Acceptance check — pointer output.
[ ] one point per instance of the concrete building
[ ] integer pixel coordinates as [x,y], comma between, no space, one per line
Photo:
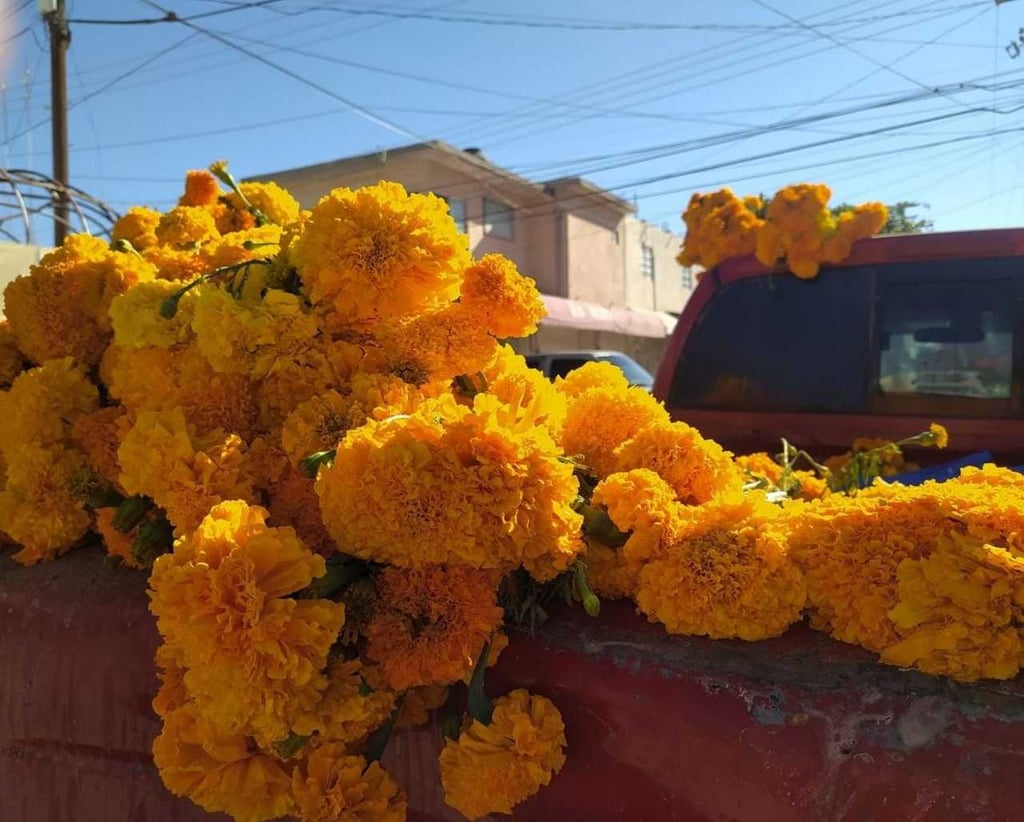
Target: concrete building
[609,279]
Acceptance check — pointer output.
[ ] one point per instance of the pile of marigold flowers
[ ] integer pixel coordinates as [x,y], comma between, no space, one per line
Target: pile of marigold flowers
[303,426]
[795,229]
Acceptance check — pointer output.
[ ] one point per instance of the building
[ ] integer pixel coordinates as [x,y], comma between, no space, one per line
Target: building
[609,279]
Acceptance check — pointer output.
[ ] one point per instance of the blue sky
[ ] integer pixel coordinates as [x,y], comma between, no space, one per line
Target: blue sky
[881,99]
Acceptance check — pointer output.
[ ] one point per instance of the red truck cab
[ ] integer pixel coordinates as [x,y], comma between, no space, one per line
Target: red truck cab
[910,329]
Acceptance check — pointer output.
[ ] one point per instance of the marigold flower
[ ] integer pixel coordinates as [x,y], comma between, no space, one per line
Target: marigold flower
[431,623]
[138,323]
[438,345]
[255,243]
[292,501]
[117,543]
[330,786]
[530,394]
[592,374]
[137,227]
[380,252]
[719,226]
[172,693]
[608,572]
[726,575]
[162,457]
[638,500]
[958,611]
[348,711]
[201,189]
[417,703]
[12,361]
[491,768]
[176,265]
[255,656]
[61,307]
[698,469]
[42,405]
[450,484]
[186,228]
[97,435]
[41,506]
[503,301]
[939,434]
[220,771]
[318,424]
[276,204]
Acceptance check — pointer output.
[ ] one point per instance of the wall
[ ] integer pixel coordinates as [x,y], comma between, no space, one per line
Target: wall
[594,261]
[666,291]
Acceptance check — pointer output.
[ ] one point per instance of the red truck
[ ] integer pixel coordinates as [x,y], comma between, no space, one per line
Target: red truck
[909,330]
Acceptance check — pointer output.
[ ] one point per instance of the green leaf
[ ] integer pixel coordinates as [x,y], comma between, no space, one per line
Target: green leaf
[291,745]
[480,707]
[310,466]
[131,512]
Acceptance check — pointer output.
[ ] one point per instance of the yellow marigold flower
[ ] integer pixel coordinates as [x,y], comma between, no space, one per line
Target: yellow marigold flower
[718,226]
[117,543]
[176,265]
[61,307]
[381,252]
[491,768]
[450,484]
[12,361]
[159,379]
[760,466]
[186,228]
[330,786]
[98,436]
[958,611]
[137,227]
[42,405]
[221,772]
[504,302]
[231,250]
[698,469]
[437,346]
[162,457]
[349,711]
[249,338]
[592,375]
[526,389]
[991,474]
[638,500]
[386,395]
[255,655]
[600,420]
[431,623]
[136,318]
[319,423]
[727,574]
[608,572]
[939,434]
[41,507]
[274,202]
[201,189]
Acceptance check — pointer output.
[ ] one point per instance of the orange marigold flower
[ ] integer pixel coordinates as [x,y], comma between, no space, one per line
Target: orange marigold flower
[12,361]
[419,702]
[137,227]
[186,228]
[726,574]
[330,786]
[939,435]
[452,484]
[162,457]
[592,375]
[760,466]
[98,436]
[718,226]
[601,419]
[61,307]
[255,655]
[491,768]
[638,500]
[957,611]
[201,189]
[292,501]
[608,572]
[526,390]
[221,772]
[274,202]
[431,623]
[138,323]
[172,693]
[176,265]
[41,505]
[380,252]
[503,301]
[319,423]
[349,710]
[698,469]
[238,246]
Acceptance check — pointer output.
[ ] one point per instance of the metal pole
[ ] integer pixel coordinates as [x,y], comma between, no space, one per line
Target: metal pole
[60,37]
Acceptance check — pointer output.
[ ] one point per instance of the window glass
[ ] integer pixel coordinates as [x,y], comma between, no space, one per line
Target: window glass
[498,220]
[947,339]
[457,208]
[779,343]
[687,278]
[647,261]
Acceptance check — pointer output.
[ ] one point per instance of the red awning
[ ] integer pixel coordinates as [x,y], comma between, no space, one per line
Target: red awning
[632,322]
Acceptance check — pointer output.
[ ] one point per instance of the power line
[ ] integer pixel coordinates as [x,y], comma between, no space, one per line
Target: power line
[172,17]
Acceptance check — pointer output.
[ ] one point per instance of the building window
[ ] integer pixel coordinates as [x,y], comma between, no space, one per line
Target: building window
[457,208]
[687,278]
[647,261]
[498,220]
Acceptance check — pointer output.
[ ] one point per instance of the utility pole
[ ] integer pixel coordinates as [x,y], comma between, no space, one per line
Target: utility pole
[53,12]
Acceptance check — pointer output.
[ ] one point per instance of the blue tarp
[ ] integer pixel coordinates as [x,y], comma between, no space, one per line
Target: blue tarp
[943,472]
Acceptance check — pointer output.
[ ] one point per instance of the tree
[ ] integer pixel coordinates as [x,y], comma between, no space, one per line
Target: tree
[902,219]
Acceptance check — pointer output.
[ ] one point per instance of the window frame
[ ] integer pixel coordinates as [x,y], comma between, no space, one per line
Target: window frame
[489,225]
[942,406]
[647,254]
